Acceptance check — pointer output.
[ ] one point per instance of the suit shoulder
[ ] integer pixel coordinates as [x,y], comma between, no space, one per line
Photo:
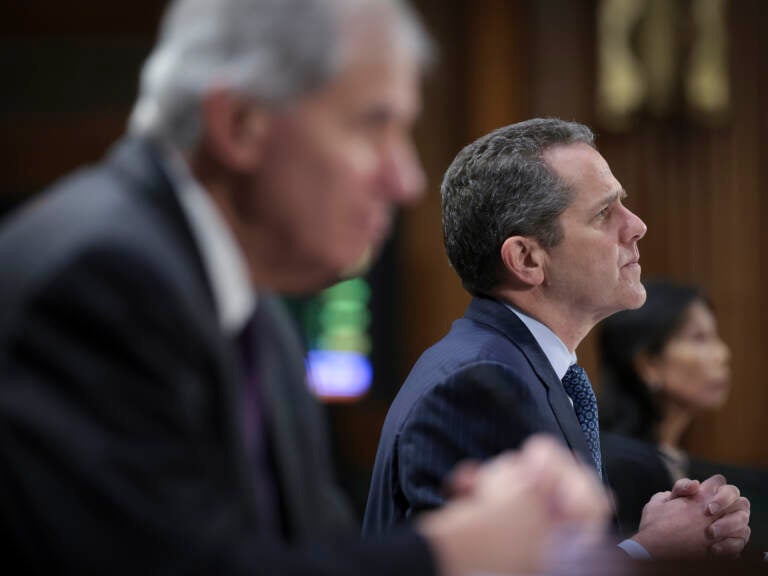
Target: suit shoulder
[91,202]
[468,344]
[88,216]
[480,381]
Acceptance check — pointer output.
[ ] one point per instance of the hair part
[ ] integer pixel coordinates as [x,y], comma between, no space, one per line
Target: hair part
[272,51]
[500,186]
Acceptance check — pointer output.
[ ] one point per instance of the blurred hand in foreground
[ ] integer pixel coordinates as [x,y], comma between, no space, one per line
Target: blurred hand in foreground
[508,514]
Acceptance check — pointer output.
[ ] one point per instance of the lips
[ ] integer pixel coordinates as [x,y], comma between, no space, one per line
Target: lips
[380,225]
[635,260]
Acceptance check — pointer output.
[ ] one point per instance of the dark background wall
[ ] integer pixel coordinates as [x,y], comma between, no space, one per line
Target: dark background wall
[70,74]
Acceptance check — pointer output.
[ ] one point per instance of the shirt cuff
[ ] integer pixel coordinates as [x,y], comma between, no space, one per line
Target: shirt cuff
[634,550]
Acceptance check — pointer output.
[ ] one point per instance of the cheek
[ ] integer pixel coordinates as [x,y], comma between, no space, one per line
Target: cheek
[599,260]
[345,178]
[329,194]
[693,379]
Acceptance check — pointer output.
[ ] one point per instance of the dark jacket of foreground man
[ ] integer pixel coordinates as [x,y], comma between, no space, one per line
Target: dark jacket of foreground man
[121,449]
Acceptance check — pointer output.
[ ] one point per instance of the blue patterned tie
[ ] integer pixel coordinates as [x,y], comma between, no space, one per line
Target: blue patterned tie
[577,386]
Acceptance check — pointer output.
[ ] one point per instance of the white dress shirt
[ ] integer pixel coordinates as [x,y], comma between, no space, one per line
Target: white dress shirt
[223,260]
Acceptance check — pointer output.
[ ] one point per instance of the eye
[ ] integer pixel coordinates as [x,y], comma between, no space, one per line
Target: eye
[376,118]
[702,336]
[604,213]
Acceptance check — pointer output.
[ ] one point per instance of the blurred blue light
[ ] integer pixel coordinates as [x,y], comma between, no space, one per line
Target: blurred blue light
[338,374]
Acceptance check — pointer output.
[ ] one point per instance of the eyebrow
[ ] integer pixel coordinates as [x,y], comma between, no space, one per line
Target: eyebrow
[609,199]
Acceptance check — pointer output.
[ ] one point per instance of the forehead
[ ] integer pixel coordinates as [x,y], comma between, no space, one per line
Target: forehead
[699,314]
[583,169]
[375,71]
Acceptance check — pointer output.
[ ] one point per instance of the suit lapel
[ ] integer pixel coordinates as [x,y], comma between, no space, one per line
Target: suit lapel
[137,167]
[500,318]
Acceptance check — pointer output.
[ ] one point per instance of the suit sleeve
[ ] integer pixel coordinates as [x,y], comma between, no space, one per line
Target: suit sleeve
[113,456]
[474,414]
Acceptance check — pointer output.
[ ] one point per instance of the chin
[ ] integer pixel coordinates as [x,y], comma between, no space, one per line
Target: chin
[310,280]
[637,297]
[361,264]
[334,274]
[721,399]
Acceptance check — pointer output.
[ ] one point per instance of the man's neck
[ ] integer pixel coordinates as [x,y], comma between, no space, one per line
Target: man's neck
[555,315]
[223,262]
[262,243]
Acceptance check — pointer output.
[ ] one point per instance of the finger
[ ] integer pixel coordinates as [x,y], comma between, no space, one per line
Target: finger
[730,547]
[543,451]
[729,525]
[685,487]
[462,480]
[723,498]
[660,497]
[712,484]
[547,462]
[581,498]
[542,442]
[571,488]
[502,461]
[500,468]
[741,503]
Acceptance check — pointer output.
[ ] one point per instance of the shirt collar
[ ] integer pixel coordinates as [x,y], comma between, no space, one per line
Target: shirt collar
[223,261]
[556,352]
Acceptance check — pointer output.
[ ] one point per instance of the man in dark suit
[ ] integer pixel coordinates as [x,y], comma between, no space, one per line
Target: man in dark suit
[153,413]
[534,224]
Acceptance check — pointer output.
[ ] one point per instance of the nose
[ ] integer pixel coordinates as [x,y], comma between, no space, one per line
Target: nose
[724,351]
[635,228]
[403,176]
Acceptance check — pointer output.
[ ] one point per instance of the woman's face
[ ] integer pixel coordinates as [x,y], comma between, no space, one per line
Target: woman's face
[694,366]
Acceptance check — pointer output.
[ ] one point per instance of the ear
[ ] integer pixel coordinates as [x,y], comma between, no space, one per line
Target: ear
[524,259]
[234,129]
[648,368]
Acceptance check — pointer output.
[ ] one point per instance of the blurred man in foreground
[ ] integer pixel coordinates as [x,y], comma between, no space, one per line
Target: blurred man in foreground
[534,224]
[153,414]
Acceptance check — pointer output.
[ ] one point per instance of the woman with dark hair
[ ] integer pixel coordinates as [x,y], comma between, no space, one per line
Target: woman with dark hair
[662,364]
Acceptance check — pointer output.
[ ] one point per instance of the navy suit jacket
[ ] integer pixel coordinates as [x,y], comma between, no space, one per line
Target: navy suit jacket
[482,389]
[121,449]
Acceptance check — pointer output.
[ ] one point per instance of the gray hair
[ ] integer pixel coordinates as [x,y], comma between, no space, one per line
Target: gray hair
[270,50]
[500,186]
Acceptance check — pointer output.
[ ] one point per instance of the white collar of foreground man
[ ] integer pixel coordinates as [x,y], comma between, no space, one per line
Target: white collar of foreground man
[223,260]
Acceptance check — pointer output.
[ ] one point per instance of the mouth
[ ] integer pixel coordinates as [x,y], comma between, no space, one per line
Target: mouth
[635,261]
[723,380]
[381,227]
